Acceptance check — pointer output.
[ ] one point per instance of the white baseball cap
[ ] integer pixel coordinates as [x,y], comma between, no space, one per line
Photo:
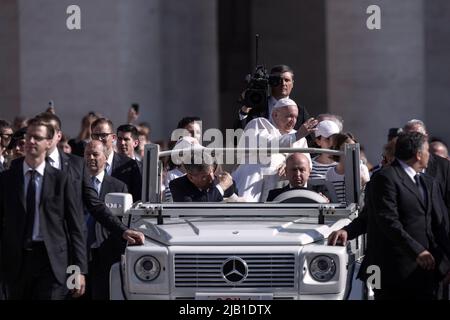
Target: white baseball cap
[326,128]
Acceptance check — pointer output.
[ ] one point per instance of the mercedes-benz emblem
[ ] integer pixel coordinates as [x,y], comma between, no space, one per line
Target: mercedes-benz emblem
[234,270]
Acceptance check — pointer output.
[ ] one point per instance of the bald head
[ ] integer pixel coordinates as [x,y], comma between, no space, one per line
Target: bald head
[298,169]
[439,149]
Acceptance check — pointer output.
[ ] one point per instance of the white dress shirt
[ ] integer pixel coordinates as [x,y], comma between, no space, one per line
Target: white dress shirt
[54,159]
[412,173]
[409,170]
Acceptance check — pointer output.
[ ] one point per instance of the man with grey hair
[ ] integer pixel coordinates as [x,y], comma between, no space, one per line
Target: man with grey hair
[416,126]
[406,228]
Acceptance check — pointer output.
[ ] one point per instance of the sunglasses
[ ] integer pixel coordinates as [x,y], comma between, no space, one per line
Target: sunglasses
[35,137]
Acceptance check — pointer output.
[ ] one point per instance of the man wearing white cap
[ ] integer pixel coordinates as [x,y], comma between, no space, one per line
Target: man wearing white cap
[252,178]
[321,163]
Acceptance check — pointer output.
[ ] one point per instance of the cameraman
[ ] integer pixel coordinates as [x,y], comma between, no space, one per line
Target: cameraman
[285,81]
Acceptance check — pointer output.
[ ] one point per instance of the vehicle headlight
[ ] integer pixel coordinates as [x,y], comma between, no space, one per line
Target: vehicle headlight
[147,268]
[322,268]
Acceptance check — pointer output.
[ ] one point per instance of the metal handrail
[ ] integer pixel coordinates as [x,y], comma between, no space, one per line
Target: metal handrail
[252,150]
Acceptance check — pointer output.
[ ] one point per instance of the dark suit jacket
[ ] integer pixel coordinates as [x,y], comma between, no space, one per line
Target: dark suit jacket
[61,222]
[401,225]
[276,192]
[439,168]
[77,147]
[184,190]
[87,195]
[359,225]
[113,246]
[303,115]
[127,170]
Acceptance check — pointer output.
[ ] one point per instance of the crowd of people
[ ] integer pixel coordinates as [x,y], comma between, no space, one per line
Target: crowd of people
[52,189]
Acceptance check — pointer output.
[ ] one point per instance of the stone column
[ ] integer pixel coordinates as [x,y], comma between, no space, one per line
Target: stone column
[293,33]
[437,62]
[160,54]
[376,78]
[9,60]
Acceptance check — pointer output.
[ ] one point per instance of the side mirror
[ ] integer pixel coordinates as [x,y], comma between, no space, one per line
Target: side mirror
[119,203]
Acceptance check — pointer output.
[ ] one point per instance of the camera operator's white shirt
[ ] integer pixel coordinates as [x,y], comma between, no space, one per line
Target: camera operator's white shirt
[253,179]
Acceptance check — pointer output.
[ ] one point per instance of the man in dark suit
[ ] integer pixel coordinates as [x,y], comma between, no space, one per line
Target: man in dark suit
[298,169]
[118,165]
[198,185]
[408,240]
[438,167]
[105,248]
[41,226]
[85,194]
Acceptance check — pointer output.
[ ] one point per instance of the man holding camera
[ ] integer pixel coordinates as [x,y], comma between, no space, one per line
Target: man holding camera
[281,81]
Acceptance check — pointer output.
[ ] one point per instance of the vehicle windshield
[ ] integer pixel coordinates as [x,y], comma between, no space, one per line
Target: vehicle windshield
[204,177]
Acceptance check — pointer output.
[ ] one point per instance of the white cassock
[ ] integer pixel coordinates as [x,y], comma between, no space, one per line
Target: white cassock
[253,179]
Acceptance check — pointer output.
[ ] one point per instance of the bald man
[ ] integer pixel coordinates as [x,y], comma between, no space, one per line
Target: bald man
[439,149]
[105,249]
[298,169]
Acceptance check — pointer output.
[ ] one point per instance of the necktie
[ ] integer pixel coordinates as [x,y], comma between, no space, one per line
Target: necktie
[95,184]
[420,186]
[31,207]
[107,168]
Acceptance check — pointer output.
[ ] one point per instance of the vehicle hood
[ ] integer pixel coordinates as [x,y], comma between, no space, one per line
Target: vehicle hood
[238,231]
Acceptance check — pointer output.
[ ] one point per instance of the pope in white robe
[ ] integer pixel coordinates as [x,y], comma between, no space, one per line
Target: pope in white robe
[255,179]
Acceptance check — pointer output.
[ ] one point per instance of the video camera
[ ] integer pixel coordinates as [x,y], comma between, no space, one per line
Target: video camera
[258,86]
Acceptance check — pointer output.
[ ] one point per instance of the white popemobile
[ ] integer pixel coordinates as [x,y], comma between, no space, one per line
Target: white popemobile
[238,251]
